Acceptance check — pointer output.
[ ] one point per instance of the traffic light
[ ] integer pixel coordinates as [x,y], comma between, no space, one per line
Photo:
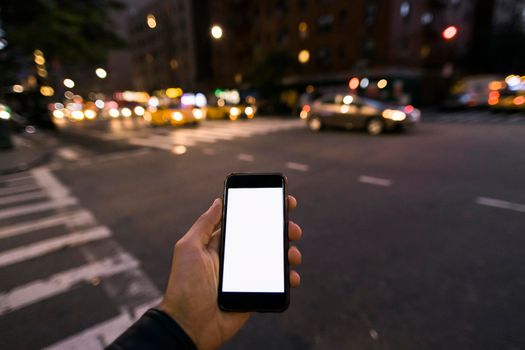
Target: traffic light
[450,32]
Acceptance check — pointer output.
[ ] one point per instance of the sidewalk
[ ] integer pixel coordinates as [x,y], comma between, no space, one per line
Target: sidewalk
[30,150]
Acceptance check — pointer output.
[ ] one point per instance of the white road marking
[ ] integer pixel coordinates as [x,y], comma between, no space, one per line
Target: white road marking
[78,218]
[18,189]
[515,119]
[297,166]
[49,183]
[122,155]
[68,154]
[12,178]
[498,203]
[101,335]
[48,246]
[34,208]
[59,283]
[245,157]
[22,197]
[150,143]
[205,133]
[374,181]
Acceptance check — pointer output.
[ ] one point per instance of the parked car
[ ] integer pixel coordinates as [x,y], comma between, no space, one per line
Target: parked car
[354,112]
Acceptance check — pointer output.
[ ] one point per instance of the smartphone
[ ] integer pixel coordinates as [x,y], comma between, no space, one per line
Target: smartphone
[253,273]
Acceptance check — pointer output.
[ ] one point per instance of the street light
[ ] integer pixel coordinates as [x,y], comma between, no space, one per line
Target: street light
[216,32]
[303,56]
[69,83]
[101,73]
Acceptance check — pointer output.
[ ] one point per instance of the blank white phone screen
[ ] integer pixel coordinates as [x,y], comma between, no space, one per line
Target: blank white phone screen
[254,243]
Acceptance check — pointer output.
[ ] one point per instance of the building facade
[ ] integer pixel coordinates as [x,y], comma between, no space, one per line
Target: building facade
[170,45]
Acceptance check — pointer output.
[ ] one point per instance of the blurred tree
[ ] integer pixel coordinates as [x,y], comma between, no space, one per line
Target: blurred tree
[69,31]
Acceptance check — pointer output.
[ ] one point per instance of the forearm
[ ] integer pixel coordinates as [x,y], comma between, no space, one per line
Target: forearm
[154,330]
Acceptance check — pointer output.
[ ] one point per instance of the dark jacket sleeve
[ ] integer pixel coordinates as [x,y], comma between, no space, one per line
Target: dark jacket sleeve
[154,330]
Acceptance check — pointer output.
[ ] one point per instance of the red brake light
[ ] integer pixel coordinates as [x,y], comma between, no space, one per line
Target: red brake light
[306,108]
[409,109]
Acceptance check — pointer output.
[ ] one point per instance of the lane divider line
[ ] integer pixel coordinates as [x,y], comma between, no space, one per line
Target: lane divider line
[498,203]
[245,157]
[297,166]
[374,181]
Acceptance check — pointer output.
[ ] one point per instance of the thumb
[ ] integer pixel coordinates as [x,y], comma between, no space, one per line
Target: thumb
[203,228]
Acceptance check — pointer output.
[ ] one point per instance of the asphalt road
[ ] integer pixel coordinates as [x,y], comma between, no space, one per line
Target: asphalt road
[411,241]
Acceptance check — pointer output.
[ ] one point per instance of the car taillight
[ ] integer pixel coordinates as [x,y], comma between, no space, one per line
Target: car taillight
[306,108]
[409,109]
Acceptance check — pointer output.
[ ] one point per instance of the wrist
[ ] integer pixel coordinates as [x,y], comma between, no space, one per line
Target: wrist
[178,319]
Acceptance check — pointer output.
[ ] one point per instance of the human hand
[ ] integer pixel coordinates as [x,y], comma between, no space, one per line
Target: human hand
[191,295]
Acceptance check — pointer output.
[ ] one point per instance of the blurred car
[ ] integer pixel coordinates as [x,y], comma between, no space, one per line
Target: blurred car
[353,112]
[232,112]
[222,107]
[508,95]
[174,114]
[470,92]
[508,101]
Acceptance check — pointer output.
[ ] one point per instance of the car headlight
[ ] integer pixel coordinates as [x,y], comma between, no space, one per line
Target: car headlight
[394,114]
[197,113]
[77,115]
[126,112]
[177,116]
[234,111]
[90,114]
[57,113]
[248,110]
[5,115]
[139,110]
[114,113]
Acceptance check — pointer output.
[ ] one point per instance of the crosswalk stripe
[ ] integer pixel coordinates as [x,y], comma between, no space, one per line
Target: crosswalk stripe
[96,337]
[34,208]
[68,154]
[48,246]
[15,179]
[78,217]
[150,143]
[18,189]
[207,132]
[101,335]
[50,183]
[16,176]
[22,197]
[59,283]
[192,136]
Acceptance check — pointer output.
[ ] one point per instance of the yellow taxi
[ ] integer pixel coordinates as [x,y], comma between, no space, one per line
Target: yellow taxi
[225,104]
[175,112]
[508,94]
